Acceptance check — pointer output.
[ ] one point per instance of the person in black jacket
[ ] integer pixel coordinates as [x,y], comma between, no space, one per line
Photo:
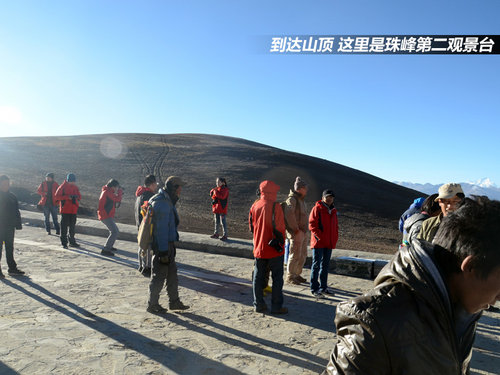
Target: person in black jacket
[10,220]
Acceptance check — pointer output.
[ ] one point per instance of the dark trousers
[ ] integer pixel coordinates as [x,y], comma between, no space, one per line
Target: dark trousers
[7,237]
[162,274]
[320,265]
[259,275]
[68,221]
[49,211]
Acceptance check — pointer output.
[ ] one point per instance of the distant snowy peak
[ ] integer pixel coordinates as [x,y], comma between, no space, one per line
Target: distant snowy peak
[481,187]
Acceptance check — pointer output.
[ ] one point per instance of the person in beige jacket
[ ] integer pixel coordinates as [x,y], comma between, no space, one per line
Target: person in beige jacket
[297,221]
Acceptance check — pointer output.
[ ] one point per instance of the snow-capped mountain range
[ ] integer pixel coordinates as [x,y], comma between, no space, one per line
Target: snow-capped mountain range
[481,187]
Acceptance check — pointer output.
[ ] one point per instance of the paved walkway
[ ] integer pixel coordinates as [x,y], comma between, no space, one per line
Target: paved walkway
[78,312]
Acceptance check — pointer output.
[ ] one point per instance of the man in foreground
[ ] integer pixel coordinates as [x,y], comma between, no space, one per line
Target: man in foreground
[421,316]
[164,269]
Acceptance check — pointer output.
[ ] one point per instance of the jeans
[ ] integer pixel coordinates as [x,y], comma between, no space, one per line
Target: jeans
[320,264]
[50,211]
[258,284]
[113,232]
[220,219]
[68,221]
[161,273]
[7,237]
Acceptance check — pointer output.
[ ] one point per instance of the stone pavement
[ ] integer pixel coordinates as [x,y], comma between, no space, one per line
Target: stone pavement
[77,312]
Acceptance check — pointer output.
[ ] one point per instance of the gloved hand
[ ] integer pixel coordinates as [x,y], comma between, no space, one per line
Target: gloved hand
[167,256]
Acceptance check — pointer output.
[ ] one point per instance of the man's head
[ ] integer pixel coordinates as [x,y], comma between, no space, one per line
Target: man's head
[174,184]
[150,182]
[450,197]
[300,186]
[71,178]
[328,197]
[4,183]
[471,236]
[221,181]
[113,184]
[49,177]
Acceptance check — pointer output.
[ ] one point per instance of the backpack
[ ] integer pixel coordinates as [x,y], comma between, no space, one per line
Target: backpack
[145,234]
[284,206]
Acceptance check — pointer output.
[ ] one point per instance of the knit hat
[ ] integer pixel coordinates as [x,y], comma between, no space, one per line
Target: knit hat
[71,177]
[299,183]
[50,175]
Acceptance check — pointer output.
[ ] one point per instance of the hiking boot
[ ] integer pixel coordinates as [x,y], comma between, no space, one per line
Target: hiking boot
[156,309]
[58,233]
[327,292]
[215,235]
[74,244]
[223,238]
[2,276]
[283,310]
[301,279]
[292,281]
[317,294]
[64,246]
[48,233]
[178,305]
[16,272]
[260,309]
[107,252]
[146,272]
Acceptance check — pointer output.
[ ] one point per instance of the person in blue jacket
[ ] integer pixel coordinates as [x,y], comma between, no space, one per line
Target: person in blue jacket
[413,209]
[165,221]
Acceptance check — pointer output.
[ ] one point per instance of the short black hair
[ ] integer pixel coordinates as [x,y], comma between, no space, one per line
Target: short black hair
[113,183]
[430,205]
[150,179]
[473,230]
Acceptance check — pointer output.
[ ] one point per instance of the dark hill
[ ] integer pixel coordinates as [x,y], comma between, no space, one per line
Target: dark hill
[369,206]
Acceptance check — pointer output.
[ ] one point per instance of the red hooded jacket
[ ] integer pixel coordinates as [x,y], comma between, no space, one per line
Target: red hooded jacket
[220,195]
[260,221]
[324,226]
[107,202]
[69,198]
[43,190]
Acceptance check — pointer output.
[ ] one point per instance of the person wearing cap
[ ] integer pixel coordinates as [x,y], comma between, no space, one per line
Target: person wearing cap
[144,194]
[69,198]
[47,191]
[296,220]
[111,197]
[450,197]
[324,228]
[165,221]
[10,220]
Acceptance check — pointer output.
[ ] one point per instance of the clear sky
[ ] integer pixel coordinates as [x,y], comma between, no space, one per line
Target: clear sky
[100,66]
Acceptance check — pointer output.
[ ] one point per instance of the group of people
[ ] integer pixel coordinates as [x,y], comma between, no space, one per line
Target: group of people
[421,315]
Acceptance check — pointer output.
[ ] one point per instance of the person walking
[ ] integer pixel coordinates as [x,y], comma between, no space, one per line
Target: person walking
[165,221]
[111,196]
[69,198]
[219,197]
[47,191]
[296,218]
[10,220]
[324,227]
[266,222]
[144,194]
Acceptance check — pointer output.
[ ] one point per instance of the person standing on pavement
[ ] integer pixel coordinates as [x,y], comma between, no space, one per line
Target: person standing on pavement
[296,218]
[266,221]
[111,196]
[324,227]
[69,198]
[219,197]
[47,191]
[144,194]
[165,221]
[10,220]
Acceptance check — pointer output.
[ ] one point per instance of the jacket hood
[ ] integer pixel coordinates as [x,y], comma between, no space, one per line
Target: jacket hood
[413,219]
[268,190]
[417,203]
[141,190]
[414,266]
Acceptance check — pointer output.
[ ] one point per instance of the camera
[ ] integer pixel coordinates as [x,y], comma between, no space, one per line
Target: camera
[275,243]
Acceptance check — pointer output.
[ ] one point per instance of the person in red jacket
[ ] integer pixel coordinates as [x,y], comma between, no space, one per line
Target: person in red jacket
[47,191]
[267,223]
[324,228]
[69,198]
[219,197]
[111,196]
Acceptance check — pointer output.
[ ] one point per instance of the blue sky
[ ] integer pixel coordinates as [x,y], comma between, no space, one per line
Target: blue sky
[85,67]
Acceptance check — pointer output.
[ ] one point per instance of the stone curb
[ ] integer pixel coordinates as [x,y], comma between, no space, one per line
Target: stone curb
[344,262]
